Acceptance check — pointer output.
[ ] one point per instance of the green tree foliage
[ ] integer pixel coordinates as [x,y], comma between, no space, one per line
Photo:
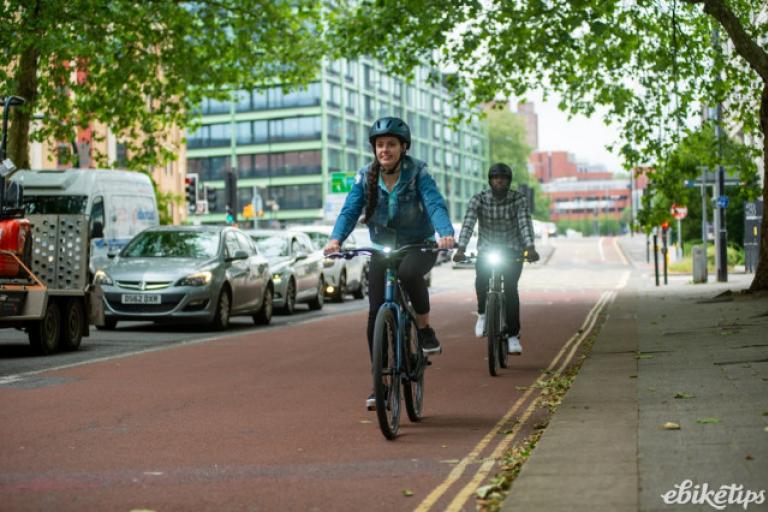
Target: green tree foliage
[650,64]
[143,67]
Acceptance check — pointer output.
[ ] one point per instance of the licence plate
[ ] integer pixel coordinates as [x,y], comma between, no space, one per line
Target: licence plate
[140,298]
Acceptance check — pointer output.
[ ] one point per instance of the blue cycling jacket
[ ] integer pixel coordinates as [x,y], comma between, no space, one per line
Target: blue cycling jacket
[410,214]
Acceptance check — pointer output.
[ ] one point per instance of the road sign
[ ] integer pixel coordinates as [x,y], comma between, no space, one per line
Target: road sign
[341,182]
[679,212]
[722,202]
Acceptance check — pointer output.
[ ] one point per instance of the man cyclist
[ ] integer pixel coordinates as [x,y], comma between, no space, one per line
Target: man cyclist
[402,206]
[504,225]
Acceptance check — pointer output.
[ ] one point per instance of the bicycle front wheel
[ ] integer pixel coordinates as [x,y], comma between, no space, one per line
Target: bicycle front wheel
[492,327]
[502,343]
[386,374]
[413,382]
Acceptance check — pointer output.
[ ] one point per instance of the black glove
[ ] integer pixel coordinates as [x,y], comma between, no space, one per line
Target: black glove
[459,256]
[531,254]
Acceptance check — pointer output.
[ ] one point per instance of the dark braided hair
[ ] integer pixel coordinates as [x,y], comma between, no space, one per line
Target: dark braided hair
[373,189]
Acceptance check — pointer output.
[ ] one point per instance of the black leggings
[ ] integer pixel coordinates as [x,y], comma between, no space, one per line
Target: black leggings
[411,272]
[511,268]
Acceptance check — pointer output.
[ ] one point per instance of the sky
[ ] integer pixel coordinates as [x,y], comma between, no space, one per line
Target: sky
[584,137]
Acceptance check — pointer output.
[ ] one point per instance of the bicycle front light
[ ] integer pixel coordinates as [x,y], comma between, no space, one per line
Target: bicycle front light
[386,250]
[494,258]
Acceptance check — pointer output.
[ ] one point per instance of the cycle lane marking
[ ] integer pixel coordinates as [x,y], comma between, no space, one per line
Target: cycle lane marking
[458,471]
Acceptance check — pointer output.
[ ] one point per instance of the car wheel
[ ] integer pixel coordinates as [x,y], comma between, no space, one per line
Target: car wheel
[264,316]
[317,302]
[341,290]
[223,307]
[290,298]
[44,334]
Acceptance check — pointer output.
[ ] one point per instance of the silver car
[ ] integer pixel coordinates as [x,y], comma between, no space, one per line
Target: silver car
[182,273]
[342,276]
[296,267]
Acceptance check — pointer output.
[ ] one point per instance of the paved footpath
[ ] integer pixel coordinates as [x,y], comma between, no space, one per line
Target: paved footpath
[691,355]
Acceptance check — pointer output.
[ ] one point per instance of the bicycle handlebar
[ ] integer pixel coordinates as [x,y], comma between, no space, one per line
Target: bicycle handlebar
[370,251]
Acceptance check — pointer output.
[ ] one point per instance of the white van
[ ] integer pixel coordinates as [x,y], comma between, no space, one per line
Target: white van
[119,204]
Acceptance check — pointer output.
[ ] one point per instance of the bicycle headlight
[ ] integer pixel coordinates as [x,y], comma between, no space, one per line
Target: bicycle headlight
[101,277]
[196,279]
[494,258]
[386,250]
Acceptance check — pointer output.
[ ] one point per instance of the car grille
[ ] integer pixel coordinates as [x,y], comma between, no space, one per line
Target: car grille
[146,285]
[169,301]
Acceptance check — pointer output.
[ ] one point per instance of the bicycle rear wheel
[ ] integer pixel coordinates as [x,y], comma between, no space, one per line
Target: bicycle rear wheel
[413,382]
[386,375]
[492,331]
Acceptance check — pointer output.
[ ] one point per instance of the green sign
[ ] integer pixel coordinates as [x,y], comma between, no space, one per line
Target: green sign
[341,182]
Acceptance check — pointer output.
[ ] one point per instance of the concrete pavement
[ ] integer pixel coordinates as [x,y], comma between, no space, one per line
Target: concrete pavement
[677,355]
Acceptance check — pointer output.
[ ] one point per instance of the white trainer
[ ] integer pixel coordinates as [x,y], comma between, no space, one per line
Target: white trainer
[513,346]
[480,326]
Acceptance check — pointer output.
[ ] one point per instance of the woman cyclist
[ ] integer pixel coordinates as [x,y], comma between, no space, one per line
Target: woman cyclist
[402,206]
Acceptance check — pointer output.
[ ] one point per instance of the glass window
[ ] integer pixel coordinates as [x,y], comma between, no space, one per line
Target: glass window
[174,244]
[351,102]
[214,106]
[436,104]
[436,130]
[244,135]
[368,108]
[369,76]
[259,99]
[296,197]
[245,166]
[350,70]
[334,159]
[242,100]
[221,135]
[333,94]
[351,133]
[294,128]
[334,67]
[334,128]
[351,162]
[397,88]
[260,131]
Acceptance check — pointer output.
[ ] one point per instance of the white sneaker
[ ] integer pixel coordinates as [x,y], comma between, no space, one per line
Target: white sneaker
[480,326]
[513,346]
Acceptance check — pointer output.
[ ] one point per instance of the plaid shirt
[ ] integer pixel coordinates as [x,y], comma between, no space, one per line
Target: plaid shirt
[503,222]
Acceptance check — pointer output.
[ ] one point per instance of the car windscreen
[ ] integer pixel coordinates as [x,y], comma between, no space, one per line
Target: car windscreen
[173,244]
[272,246]
[55,204]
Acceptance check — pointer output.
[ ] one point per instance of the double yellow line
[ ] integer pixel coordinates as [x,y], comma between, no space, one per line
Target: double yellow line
[571,346]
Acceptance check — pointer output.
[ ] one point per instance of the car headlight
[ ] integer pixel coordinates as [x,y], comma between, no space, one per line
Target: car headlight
[197,279]
[276,278]
[494,258]
[101,277]
[328,262]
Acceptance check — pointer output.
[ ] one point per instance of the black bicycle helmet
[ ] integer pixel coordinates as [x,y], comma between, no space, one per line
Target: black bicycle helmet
[500,170]
[393,126]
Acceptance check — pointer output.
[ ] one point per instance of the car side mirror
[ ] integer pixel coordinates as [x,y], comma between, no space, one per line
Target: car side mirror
[97,230]
[301,256]
[239,255]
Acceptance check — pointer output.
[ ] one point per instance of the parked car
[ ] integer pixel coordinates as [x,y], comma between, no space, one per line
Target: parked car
[342,276]
[182,273]
[296,267]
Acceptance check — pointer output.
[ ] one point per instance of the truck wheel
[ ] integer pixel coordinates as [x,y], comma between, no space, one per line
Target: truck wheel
[72,328]
[44,334]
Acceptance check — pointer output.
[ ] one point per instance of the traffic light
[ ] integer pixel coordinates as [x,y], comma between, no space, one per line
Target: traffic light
[211,196]
[191,192]
[230,218]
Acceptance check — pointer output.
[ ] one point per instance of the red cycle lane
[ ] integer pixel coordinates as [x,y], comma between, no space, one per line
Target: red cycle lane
[270,420]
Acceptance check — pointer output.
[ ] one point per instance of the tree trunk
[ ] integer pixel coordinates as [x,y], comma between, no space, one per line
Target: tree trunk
[760,282]
[18,133]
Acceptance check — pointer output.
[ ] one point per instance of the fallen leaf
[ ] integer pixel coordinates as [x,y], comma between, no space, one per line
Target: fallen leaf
[684,395]
[707,421]
[633,376]
[484,491]
[407,492]
[749,457]
[671,425]
[365,421]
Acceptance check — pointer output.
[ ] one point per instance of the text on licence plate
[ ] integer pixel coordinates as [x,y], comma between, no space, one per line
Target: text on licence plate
[140,298]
